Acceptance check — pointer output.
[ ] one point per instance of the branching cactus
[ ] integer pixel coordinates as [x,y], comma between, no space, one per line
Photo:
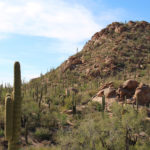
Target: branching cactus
[13,112]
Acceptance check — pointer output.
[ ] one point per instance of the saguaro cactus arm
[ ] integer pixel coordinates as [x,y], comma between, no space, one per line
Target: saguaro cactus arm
[8,117]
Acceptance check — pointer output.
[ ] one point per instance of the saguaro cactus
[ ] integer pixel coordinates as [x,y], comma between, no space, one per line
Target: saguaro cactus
[13,112]
[73,104]
[103,102]
[137,104]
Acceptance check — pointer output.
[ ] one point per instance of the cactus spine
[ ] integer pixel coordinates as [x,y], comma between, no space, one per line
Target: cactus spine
[13,112]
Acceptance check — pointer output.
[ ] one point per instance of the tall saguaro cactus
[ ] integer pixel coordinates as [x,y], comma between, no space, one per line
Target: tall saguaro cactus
[13,112]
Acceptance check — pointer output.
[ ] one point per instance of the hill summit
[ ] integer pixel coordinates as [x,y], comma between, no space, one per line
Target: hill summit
[115,48]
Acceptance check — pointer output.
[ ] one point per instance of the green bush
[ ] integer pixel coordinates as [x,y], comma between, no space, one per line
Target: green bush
[68,102]
[102,132]
[42,134]
[96,106]
[43,148]
[1,132]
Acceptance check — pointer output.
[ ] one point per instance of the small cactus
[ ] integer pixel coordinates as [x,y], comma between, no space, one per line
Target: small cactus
[137,104]
[8,117]
[103,102]
[13,112]
[73,104]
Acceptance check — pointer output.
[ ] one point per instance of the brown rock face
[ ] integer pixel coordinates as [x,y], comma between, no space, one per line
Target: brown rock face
[127,89]
[142,93]
[129,92]
[131,23]
[110,84]
[72,62]
[121,92]
[120,29]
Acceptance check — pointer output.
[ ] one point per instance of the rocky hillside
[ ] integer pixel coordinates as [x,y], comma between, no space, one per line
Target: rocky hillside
[118,52]
[118,47]
[62,107]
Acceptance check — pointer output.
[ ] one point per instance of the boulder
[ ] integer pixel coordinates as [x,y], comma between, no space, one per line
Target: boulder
[131,23]
[103,88]
[87,72]
[107,85]
[95,36]
[129,101]
[71,63]
[121,92]
[108,92]
[109,61]
[142,93]
[127,90]
[130,84]
[97,99]
[100,93]
[120,29]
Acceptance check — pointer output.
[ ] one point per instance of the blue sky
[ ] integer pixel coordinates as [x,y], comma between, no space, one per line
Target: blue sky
[41,34]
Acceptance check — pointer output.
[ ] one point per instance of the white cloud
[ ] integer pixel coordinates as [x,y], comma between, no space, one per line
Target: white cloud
[53,18]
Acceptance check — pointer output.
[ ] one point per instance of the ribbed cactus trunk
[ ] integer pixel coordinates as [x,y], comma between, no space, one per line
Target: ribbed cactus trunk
[103,102]
[13,112]
[73,104]
[8,117]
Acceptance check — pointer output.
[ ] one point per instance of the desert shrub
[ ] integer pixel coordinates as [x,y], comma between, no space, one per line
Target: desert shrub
[85,98]
[56,101]
[87,56]
[49,120]
[43,148]
[30,112]
[102,132]
[1,132]
[96,106]
[68,102]
[42,134]
[91,93]
[62,118]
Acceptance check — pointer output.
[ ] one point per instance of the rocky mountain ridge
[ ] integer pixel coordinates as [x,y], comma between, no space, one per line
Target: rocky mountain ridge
[116,48]
[119,52]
